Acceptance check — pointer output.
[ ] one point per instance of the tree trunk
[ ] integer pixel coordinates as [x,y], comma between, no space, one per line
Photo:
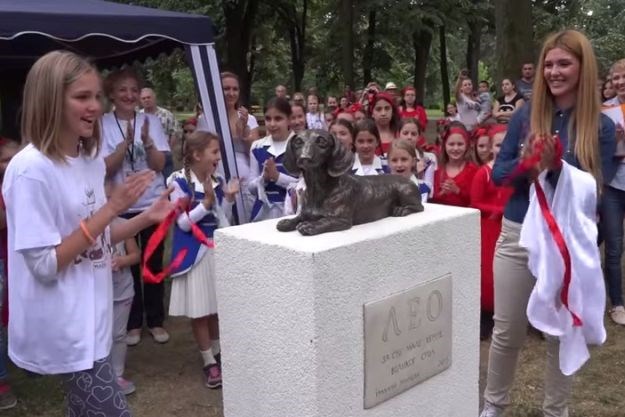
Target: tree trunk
[444,71]
[515,44]
[297,34]
[421,41]
[251,68]
[346,23]
[473,50]
[367,56]
[239,16]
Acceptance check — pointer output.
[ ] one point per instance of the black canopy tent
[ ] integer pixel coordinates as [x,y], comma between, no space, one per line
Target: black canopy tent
[111,34]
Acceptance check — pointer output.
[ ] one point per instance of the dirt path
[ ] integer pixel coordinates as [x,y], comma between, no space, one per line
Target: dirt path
[168,379]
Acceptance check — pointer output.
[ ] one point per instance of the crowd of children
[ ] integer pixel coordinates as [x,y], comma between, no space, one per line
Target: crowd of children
[74,254]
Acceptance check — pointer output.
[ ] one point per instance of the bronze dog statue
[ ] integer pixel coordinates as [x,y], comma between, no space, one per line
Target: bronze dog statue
[335,199]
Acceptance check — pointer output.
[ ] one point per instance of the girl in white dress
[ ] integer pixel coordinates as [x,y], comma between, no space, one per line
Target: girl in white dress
[210,203]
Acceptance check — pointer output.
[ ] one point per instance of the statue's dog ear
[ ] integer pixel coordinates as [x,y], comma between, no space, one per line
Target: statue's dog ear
[341,160]
[290,156]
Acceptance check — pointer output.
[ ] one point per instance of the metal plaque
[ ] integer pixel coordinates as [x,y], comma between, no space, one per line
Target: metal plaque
[407,339]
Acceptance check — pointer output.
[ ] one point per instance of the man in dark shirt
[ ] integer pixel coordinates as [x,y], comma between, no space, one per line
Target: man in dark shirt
[524,85]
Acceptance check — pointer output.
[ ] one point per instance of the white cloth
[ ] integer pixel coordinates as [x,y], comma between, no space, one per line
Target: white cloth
[416,181]
[193,294]
[430,170]
[468,111]
[62,325]
[315,121]
[574,205]
[112,136]
[202,123]
[298,189]
[374,169]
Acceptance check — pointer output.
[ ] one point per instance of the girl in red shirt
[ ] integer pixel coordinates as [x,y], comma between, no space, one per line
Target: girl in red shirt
[490,200]
[452,180]
[410,109]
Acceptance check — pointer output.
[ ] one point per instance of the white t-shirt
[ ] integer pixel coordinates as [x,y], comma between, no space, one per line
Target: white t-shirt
[136,158]
[63,324]
[315,121]
[202,123]
[468,111]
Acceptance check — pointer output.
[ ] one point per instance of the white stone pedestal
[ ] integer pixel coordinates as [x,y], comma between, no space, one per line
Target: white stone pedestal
[292,320]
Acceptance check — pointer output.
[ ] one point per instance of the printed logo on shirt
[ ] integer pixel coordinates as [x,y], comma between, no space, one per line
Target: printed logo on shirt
[96,253]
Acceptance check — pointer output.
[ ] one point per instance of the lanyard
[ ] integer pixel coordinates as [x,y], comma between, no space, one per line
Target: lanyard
[131,147]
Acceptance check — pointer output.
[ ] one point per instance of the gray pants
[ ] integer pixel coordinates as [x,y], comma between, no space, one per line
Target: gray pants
[121,311]
[94,392]
[513,286]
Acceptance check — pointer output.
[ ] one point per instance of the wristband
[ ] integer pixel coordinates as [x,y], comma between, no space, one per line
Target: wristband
[85,231]
[148,146]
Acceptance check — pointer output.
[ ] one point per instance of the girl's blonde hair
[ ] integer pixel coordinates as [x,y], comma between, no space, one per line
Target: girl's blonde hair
[584,125]
[195,142]
[404,145]
[44,103]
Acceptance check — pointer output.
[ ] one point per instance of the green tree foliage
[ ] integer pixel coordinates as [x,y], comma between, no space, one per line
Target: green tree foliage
[328,44]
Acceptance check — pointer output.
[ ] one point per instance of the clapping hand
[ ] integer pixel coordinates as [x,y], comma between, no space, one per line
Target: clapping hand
[130,134]
[126,194]
[450,187]
[242,120]
[232,189]
[270,171]
[161,207]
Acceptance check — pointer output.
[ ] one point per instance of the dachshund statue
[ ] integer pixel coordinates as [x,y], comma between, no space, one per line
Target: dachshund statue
[335,199]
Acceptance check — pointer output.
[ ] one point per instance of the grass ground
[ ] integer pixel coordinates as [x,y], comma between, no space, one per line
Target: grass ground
[169,382]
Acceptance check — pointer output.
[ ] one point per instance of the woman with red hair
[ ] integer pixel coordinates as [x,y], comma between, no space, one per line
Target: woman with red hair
[452,180]
[409,108]
[490,200]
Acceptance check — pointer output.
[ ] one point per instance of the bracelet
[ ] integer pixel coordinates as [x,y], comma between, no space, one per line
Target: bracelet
[148,146]
[85,231]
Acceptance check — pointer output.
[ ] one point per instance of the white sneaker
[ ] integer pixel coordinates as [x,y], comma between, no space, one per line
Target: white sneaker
[491,410]
[159,334]
[617,314]
[133,337]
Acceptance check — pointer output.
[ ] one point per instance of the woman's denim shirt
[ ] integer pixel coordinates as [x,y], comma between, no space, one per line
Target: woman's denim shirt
[509,156]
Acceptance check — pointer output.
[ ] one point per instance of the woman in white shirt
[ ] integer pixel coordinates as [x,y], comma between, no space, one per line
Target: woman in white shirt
[60,235]
[244,131]
[468,108]
[132,142]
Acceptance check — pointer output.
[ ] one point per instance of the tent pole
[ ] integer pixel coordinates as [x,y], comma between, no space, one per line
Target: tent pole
[208,84]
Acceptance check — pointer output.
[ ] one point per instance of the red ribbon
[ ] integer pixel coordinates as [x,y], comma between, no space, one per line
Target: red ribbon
[531,161]
[159,236]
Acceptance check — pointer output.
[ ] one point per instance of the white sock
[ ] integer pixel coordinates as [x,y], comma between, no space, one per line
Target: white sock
[207,357]
[216,347]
